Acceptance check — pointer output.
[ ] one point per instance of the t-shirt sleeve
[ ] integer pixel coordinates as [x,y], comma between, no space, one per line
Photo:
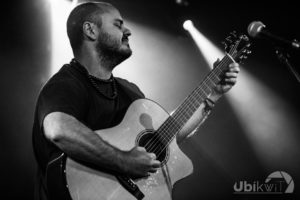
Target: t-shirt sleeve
[65,96]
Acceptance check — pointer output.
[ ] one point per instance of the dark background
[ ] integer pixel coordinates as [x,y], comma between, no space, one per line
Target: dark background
[25,54]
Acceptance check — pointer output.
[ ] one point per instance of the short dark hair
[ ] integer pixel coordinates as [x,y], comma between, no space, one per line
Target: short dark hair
[81,13]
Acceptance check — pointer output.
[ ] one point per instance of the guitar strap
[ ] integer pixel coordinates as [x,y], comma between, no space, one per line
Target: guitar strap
[131,187]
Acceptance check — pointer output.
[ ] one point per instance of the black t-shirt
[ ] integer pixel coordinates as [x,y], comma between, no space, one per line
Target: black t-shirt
[73,92]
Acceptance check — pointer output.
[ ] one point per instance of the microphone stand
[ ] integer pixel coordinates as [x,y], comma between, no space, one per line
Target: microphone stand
[283,57]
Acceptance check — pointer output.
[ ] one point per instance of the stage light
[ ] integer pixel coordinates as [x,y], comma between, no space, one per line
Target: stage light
[182,2]
[263,114]
[206,47]
[188,24]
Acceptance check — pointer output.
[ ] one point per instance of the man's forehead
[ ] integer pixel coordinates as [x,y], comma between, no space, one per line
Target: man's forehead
[113,14]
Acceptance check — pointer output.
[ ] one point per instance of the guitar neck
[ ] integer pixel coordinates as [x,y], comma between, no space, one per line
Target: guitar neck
[237,49]
[193,101]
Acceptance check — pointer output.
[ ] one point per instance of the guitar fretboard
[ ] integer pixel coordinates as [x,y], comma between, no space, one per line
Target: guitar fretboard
[175,122]
[192,102]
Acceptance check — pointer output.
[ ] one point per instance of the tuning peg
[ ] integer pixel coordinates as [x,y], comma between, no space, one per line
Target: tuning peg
[228,37]
[228,40]
[244,37]
[234,34]
[224,43]
[241,58]
[246,51]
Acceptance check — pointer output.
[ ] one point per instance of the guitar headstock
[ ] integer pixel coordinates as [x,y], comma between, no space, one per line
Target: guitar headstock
[237,46]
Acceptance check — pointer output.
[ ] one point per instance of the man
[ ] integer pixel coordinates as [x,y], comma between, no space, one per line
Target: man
[84,96]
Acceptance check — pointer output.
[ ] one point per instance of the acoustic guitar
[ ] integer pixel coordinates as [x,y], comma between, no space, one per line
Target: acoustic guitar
[145,124]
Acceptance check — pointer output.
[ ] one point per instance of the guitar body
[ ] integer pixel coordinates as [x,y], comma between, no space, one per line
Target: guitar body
[142,117]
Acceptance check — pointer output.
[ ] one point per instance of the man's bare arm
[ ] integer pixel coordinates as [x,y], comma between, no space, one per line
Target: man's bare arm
[81,143]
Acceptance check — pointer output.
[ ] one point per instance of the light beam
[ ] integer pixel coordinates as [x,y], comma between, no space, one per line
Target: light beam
[265,117]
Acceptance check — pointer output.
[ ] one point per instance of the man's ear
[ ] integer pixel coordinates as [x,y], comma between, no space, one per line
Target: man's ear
[90,30]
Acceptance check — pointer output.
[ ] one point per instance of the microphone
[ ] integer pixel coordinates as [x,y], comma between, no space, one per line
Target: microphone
[257,29]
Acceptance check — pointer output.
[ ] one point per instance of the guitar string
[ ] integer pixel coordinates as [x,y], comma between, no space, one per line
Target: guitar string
[230,52]
[159,149]
[238,53]
[170,126]
[185,104]
[166,135]
[180,108]
[183,107]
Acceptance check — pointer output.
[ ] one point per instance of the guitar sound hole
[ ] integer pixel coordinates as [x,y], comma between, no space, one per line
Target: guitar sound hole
[153,143]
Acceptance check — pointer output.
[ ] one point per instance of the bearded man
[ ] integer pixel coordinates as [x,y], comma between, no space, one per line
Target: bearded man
[84,96]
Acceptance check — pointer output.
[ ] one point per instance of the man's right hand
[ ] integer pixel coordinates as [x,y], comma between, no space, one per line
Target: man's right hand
[139,163]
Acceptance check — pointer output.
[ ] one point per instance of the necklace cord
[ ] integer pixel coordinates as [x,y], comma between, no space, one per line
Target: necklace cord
[92,79]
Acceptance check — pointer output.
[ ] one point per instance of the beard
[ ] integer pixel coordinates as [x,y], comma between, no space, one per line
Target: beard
[111,51]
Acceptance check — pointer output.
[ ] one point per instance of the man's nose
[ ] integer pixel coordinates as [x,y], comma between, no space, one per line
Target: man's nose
[127,32]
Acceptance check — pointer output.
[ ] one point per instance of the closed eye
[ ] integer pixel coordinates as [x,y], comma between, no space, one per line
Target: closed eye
[119,26]
[119,23]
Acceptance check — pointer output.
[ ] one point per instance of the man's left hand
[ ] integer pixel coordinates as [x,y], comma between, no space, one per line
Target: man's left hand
[229,79]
